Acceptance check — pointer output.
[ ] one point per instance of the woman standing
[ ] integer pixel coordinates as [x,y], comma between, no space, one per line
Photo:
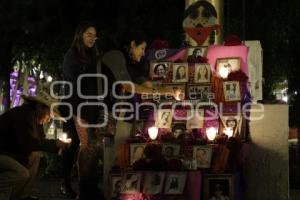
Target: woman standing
[81,59]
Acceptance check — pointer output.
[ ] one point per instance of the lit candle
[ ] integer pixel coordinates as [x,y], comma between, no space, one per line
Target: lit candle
[224,71]
[153,132]
[228,131]
[211,133]
[64,138]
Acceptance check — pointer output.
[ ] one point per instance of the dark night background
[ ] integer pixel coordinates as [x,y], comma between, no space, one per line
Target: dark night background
[44,29]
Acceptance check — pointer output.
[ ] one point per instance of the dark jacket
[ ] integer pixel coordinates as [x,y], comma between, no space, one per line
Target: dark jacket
[117,66]
[20,134]
[73,67]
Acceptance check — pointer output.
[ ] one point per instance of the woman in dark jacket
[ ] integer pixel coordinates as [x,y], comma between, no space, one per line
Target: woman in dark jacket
[80,60]
[21,139]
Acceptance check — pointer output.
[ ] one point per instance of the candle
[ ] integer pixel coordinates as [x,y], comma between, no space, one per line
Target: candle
[153,132]
[211,133]
[224,71]
[64,138]
[228,131]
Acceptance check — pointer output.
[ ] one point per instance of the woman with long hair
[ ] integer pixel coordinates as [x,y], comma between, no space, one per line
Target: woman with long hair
[81,59]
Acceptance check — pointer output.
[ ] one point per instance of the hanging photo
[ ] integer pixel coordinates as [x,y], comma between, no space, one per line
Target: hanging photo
[136,152]
[175,182]
[230,122]
[180,72]
[202,73]
[232,91]
[170,150]
[229,64]
[178,128]
[218,186]
[131,183]
[163,118]
[197,119]
[159,70]
[116,185]
[202,155]
[175,87]
[199,92]
[153,182]
[194,52]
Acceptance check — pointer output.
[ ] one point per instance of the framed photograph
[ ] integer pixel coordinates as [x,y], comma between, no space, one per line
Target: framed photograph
[231,64]
[153,182]
[202,73]
[202,154]
[199,92]
[232,121]
[159,70]
[195,119]
[138,127]
[136,152]
[218,186]
[194,52]
[232,91]
[131,182]
[175,87]
[175,182]
[163,118]
[170,150]
[116,185]
[180,73]
[178,128]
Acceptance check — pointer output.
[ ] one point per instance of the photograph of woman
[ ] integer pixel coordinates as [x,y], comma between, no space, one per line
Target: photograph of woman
[160,70]
[131,183]
[180,73]
[202,73]
[231,91]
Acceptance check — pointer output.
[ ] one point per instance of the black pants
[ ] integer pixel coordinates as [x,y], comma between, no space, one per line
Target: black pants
[69,156]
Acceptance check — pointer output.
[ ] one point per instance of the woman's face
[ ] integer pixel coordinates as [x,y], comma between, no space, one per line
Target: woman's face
[138,51]
[202,70]
[89,37]
[181,71]
[160,71]
[231,123]
[44,116]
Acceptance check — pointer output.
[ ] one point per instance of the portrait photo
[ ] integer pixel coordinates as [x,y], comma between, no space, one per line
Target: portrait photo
[180,73]
[194,52]
[175,87]
[163,118]
[175,182]
[231,121]
[131,182]
[170,150]
[159,70]
[153,182]
[232,91]
[178,128]
[116,185]
[231,64]
[199,92]
[218,186]
[202,73]
[196,119]
[136,152]
[202,154]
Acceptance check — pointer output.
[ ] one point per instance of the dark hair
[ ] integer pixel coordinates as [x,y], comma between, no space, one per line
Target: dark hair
[195,51]
[78,44]
[156,67]
[177,72]
[206,74]
[192,11]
